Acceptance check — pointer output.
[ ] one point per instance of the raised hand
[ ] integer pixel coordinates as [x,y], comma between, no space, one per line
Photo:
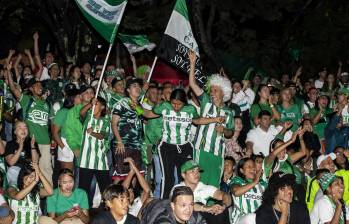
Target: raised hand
[27,51]
[192,56]
[36,35]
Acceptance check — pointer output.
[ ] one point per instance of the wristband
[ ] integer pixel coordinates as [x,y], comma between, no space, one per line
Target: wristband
[271,105]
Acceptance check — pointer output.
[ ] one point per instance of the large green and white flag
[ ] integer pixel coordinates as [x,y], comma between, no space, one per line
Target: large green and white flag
[104,15]
[178,40]
[136,43]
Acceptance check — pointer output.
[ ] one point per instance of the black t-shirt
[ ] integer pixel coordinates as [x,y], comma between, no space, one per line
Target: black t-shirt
[299,214]
[13,146]
[106,217]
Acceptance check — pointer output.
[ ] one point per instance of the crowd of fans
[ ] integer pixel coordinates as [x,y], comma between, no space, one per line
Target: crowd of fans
[233,152]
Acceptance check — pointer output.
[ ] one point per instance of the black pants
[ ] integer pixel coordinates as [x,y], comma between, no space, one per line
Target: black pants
[85,179]
[172,156]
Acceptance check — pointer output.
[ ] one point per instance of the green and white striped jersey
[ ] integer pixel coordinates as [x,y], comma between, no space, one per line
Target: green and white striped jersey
[207,138]
[248,202]
[94,151]
[176,125]
[26,210]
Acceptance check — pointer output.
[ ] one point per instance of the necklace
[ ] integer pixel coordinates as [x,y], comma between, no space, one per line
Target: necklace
[277,217]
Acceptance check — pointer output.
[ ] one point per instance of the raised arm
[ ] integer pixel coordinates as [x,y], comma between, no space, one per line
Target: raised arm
[208,120]
[47,189]
[16,92]
[303,152]
[134,64]
[19,195]
[37,57]
[192,82]
[31,60]
[15,66]
[238,190]
[145,186]
[273,154]
[149,114]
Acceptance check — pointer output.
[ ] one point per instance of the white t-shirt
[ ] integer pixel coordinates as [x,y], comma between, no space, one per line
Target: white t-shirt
[247,219]
[319,84]
[345,115]
[323,211]
[135,207]
[202,192]
[261,139]
[44,74]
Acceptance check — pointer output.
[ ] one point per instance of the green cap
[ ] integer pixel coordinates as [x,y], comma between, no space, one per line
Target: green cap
[189,165]
[111,73]
[326,180]
[344,91]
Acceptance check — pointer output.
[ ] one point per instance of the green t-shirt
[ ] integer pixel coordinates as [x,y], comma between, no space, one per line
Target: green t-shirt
[285,166]
[176,125]
[153,131]
[36,115]
[292,113]
[319,128]
[59,120]
[73,127]
[58,203]
[256,108]
[207,138]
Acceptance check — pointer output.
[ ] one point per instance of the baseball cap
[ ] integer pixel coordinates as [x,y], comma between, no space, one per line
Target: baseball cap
[321,158]
[344,73]
[326,180]
[189,165]
[133,80]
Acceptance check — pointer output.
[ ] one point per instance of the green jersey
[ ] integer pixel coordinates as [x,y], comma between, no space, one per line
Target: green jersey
[59,120]
[293,113]
[249,201]
[207,138]
[176,125]
[285,166]
[36,115]
[112,98]
[129,125]
[94,151]
[26,210]
[319,127]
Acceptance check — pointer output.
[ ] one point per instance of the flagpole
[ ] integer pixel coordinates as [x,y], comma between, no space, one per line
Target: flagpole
[150,74]
[101,78]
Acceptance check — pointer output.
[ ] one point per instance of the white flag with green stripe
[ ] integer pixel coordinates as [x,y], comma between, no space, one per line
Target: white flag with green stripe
[178,40]
[136,43]
[104,15]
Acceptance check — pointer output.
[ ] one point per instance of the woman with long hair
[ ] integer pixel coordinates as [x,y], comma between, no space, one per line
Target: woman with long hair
[175,147]
[67,203]
[24,199]
[263,101]
[236,146]
[330,208]
[21,150]
[247,189]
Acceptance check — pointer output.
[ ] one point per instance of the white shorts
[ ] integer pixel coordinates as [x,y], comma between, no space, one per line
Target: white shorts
[65,154]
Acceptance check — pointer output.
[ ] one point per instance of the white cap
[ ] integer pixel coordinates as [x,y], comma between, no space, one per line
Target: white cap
[344,73]
[324,157]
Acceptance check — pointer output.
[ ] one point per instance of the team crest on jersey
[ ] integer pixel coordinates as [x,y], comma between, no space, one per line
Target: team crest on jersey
[38,117]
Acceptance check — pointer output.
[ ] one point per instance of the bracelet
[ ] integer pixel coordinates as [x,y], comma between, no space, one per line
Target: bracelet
[271,105]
